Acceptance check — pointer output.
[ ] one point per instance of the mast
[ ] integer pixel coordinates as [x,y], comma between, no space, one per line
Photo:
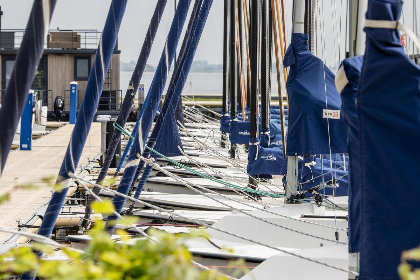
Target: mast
[128,101]
[226,42]
[266,60]
[27,60]
[292,161]
[232,71]
[86,113]
[357,22]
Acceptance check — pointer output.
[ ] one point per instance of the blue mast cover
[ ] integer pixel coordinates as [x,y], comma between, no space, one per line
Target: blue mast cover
[27,60]
[352,67]
[86,113]
[198,21]
[388,101]
[306,85]
[146,117]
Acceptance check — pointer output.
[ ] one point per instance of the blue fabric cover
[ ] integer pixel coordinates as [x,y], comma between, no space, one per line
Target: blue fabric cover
[86,113]
[239,132]
[130,94]
[352,67]
[24,70]
[270,141]
[263,161]
[224,122]
[388,102]
[311,175]
[168,139]
[192,37]
[307,129]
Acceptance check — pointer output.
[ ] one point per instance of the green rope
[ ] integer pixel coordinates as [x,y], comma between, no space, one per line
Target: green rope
[120,128]
[215,179]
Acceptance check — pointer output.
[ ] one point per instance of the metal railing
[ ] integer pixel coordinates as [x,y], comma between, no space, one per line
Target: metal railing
[40,94]
[89,38]
[111,102]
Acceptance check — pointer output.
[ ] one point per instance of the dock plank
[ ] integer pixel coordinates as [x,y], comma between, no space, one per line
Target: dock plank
[30,167]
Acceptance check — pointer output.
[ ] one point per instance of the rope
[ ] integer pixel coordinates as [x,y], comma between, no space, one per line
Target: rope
[212,178]
[218,229]
[168,173]
[151,163]
[140,231]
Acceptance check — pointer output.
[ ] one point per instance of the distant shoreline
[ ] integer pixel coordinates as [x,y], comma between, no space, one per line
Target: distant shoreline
[200,66]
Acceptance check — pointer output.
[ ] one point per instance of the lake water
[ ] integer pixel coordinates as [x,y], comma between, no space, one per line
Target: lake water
[203,83]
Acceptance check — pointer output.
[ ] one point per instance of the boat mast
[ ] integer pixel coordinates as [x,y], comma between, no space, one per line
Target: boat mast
[226,42]
[232,71]
[266,61]
[254,57]
[292,161]
[357,22]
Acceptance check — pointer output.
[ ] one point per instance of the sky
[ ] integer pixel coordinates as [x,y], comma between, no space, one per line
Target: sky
[91,14]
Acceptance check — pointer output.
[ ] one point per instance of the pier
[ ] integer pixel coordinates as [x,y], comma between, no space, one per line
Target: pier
[29,168]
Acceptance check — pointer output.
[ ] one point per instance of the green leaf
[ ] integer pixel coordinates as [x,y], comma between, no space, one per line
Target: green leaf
[4,198]
[106,207]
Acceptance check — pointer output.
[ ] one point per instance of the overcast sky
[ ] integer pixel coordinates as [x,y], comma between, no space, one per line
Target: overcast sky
[91,14]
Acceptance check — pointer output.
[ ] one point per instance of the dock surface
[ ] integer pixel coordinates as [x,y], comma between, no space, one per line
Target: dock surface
[30,167]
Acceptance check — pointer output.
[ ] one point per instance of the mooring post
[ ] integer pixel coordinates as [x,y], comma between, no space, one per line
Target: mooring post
[73,103]
[26,124]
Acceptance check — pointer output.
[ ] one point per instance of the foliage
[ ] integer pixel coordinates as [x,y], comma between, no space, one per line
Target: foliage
[163,257]
[405,270]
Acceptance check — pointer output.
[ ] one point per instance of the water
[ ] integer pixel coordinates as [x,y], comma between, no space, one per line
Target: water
[197,83]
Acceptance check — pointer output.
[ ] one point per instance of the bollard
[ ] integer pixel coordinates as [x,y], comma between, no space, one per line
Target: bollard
[26,124]
[73,103]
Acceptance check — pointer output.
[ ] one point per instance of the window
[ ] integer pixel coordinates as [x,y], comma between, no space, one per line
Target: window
[81,68]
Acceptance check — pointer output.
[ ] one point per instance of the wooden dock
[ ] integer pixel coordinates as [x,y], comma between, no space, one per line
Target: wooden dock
[30,167]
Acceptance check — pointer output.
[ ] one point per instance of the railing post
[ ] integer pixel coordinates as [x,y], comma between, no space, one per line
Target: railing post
[73,103]
[26,124]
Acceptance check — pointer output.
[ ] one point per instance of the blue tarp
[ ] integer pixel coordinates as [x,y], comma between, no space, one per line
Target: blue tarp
[225,122]
[263,161]
[307,129]
[352,67]
[239,132]
[312,171]
[388,101]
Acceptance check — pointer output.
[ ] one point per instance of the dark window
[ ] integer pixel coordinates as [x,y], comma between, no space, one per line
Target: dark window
[81,68]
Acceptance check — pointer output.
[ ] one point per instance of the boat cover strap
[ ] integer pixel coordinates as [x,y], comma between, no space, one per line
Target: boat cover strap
[389,24]
[341,80]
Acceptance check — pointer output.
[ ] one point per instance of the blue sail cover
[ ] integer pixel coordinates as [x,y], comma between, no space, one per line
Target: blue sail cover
[225,122]
[352,67]
[239,132]
[388,102]
[27,60]
[86,113]
[307,129]
[200,14]
[145,119]
[265,160]
[132,90]
[313,168]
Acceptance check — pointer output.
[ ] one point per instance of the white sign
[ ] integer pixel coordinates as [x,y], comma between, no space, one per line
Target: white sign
[331,114]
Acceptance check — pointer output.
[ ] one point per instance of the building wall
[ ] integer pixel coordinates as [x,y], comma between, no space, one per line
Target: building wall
[61,73]
[115,72]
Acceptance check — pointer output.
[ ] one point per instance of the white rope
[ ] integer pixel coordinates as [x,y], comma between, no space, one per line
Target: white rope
[388,24]
[142,232]
[216,229]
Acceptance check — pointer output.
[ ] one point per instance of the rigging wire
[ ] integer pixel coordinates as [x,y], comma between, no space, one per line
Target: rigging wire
[217,229]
